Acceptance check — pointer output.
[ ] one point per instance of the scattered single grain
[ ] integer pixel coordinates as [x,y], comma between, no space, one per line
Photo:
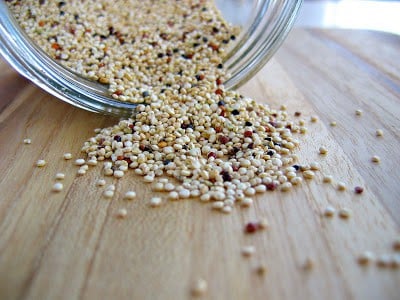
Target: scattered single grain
[248,250]
[100,182]
[41,163]
[327,179]
[384,260]
[108,194]
[226,209]
[375,159]
[396,244]
[379,132]
[173,195]
[27,141]
[358,190]
[315,166]
[130,195]
[155,201]
[60,176]
[67,156]
[329,211]
[341,186]
[158,187]
[80,162]
[58,187]
[308,264]
[314,119]
[359,112]
[122,213]
[345,213]
[263,223]
[365,258]
[261,270]
[308,174]
[323,150]
[199,287]
[333,123]
[81,171]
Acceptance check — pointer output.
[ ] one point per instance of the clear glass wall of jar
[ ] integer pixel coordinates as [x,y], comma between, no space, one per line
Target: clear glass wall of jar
[265,24]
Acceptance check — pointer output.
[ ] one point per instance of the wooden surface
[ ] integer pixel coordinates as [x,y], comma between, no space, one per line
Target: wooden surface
[71,245]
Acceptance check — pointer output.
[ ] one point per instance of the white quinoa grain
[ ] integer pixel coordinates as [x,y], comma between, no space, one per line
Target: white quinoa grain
[27,141]
[205,197]
[308,174]
[184,193]
[379,132]
[263,223]
[327,179]
[246,202]
[118,174]
[158,187]
[217,205]
[80,162]
[323,150]
[226,209]
[375,159]
[314,119]
[122,213]
[250,192]
[173,195]
[199,287]
[58,187]
[329,211]
[92,162]
[155,202]
[365,258]
[60,176]
[260,188]
[169,187]
[81,171]
[110,187]
[345,213]
[67,156]
[296,180]
[315,166]
[341,186]
[130,195]
[248,250]
[100,182]
[41,163]
[333,123]
[285,187]
[148,178]
[359,112]
[108,194]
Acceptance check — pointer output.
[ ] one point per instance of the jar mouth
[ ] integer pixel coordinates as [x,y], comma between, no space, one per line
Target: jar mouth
[261,36]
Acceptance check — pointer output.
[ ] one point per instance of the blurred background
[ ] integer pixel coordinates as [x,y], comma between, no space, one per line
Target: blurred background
[382,15]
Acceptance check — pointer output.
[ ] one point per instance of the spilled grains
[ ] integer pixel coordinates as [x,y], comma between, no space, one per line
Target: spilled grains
[216,141]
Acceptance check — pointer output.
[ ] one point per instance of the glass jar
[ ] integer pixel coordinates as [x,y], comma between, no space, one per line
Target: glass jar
[264,23]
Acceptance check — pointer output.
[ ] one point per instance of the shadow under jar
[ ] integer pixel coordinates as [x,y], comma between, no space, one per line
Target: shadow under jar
[264,25]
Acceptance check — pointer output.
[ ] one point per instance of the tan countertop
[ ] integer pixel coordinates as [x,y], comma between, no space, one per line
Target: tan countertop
[70,245]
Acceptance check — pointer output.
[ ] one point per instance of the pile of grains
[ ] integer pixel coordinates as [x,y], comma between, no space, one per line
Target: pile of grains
[217,144]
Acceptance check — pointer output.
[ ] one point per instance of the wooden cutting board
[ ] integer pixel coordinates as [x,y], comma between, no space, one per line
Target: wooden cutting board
[71,245]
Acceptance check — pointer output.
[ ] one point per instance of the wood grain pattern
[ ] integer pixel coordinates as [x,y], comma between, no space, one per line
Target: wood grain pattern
[71,245]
